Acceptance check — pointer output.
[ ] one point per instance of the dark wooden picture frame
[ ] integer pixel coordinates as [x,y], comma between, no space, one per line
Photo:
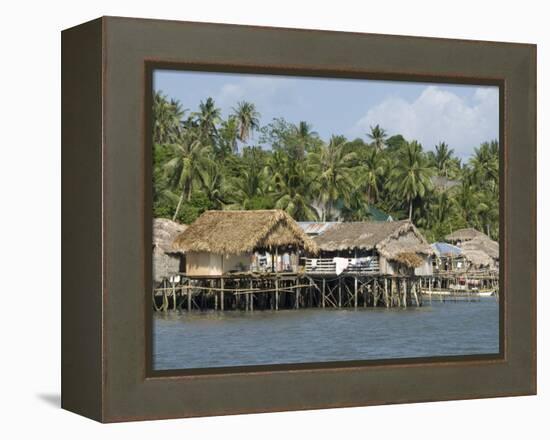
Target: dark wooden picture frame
[107,227]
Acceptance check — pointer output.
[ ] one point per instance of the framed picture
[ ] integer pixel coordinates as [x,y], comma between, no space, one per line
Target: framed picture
[263,219]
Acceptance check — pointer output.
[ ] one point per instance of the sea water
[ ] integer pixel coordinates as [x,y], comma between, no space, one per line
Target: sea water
[237,338]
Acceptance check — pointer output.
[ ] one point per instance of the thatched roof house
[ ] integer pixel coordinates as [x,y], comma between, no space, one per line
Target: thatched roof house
[220,241]
[167,261]
[481,251]
[396,243]
[463,235]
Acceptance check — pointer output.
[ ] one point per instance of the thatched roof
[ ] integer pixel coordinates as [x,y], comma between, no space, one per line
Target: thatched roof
[166,259]
[465,234]
[239,232]
[478,258]
[482,244]
[394,240]
[409,259]
[164,233]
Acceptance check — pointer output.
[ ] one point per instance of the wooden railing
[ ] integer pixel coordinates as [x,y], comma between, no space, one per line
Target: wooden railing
[328,265]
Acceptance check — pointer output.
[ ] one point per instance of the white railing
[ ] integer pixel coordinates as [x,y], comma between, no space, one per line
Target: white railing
[355,265]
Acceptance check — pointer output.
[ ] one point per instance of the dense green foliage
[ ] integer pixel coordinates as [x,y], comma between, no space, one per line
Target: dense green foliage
[202,161]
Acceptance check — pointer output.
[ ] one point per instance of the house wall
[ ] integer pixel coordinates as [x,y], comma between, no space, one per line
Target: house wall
[203,263]
[232,262]
[206,263]
[426,268]
[385,266]
[391,267]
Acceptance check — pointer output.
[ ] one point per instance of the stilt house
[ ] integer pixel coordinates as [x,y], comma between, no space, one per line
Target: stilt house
[167,261]
[220,242]
[372,247]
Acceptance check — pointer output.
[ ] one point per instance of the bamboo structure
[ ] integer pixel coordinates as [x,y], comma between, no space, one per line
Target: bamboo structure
[276,291]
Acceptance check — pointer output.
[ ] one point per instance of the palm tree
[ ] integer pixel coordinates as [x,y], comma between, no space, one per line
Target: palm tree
[443,159]
[370,171]
[484,164]
[378,136]
[333,167]
[487,211]
[167,117]
[213,184]
[189,160]
[248,119]
[227,139]
[356,208]
[291,183]
[208,117]
[305,135]
[411,176]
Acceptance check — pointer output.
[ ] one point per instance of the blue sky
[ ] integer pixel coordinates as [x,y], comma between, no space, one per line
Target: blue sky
[462,116]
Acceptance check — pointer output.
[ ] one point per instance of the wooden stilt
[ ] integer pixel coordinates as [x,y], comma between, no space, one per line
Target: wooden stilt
[276,294]
[339,292]
[323,293]
[221,294]
[188,300]
[174,296]
[386,299]
[297,305]
[355,292]
[251,296]
[397,292]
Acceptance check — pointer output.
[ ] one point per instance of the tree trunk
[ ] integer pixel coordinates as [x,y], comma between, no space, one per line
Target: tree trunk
[410,209]
[178,207]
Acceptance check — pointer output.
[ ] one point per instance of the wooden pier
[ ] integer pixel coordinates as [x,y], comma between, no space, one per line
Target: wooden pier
[294,290]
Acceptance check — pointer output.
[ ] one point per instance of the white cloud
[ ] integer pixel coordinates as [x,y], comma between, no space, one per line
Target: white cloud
[265,92]
[438,115]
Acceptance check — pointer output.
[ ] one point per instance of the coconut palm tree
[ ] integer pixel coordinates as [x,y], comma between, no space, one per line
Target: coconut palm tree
[189,159]
[208,117]
[306,137]
[167,117]
[411,175]
[443,159]
[213,184]
[488,213]
[248,119]
[333,167]
[291,183]
[370,171]
[378,136]
[227,137]
[484,164]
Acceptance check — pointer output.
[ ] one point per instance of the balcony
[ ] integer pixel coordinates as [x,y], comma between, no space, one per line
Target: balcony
[355,266]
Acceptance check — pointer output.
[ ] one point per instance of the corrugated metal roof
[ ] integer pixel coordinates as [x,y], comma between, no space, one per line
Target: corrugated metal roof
[316,228]
[446,249]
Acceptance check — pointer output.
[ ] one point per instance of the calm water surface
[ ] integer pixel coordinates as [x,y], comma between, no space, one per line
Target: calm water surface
[233,338]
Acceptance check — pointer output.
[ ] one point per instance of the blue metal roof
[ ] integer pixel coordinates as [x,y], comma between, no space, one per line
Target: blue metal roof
[446,249]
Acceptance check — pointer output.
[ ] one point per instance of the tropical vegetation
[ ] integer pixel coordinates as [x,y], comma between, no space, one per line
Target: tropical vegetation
[204,161]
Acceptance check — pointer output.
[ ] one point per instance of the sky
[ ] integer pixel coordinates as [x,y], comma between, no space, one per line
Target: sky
[463,116]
